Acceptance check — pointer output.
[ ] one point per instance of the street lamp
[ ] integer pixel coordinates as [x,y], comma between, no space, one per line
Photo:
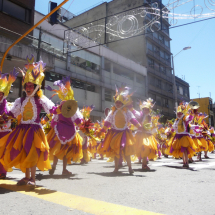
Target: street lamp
[175,88]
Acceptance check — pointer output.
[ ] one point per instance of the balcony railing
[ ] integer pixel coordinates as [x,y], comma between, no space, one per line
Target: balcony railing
[161,75]
[161,91]
[158,42]
[157,57]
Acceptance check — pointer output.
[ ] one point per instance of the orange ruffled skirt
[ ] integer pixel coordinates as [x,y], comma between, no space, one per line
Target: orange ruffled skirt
[72,149]
[25,147]
[146,145]
[178,144]
[117,143]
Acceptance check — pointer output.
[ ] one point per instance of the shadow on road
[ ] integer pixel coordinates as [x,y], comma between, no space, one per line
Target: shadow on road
[142,170]
[7,188]
[180,167]
[44,177]
[111,174]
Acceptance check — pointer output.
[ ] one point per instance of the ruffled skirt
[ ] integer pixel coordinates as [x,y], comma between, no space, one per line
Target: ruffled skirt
[25,147]
[2,169]
[92,147]
[72,149]
[204,144]
[117,143]
[146,145]
[180,143]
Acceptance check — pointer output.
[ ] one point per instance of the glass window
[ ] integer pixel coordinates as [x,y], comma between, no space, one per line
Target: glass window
[158,83]
[155,34]
[0,5]
[166,28]
[180,90]
[162,54]
[161,38]
[163,69]
[166,42]
[108,96]
[14,10]
[157,50]
[158,100]
[151,63]
[156,66]
[167,57]
[149,46]
[49,76]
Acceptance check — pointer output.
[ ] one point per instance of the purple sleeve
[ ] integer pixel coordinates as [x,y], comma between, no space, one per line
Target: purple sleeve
[107,125]
[135,122]
[77,121]
[53,110]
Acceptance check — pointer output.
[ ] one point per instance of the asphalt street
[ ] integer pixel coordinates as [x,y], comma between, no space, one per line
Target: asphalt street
[94,189]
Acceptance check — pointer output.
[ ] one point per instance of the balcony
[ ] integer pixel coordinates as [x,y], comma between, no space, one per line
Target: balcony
[158,42]
[157,57]
[160,91]
[161,75]
[157,28]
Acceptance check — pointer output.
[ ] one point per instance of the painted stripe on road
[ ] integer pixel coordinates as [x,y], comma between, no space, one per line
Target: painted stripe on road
[72,201]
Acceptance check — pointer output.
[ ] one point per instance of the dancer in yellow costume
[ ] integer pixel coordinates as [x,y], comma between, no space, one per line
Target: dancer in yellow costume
[146,144]
[119,139]
[64,140]
[182,144]
[26,146]
[5,125]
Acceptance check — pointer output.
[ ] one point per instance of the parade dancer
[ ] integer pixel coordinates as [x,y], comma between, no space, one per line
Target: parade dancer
[169,132]
[146,144]
[26,146]
[119,140]
[182,144]
[5,126]
[64,140]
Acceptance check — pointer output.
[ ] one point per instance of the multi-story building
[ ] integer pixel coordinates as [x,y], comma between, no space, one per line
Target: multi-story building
[16,17]
[206,106]
[150,49]
[94,72]
[182,90]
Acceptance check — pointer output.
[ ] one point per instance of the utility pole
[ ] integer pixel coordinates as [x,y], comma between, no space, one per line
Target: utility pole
[39,45]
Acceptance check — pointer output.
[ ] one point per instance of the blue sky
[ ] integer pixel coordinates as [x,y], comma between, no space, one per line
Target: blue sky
[195,65]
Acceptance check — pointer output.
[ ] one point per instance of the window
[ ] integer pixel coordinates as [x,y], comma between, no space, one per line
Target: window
[167,57]
[166,28]
[158,83]
[15,10]
[78,84]
[180,90]
[163,69]
[90,88]
[165,103]
[162,54]
[169,88]
[157,50]
[158,100]
[50,76]
[108,96]
[166,42]
[161,38]
[0,5]
[149,46]
[156,66]
[155,35]
[151,63]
